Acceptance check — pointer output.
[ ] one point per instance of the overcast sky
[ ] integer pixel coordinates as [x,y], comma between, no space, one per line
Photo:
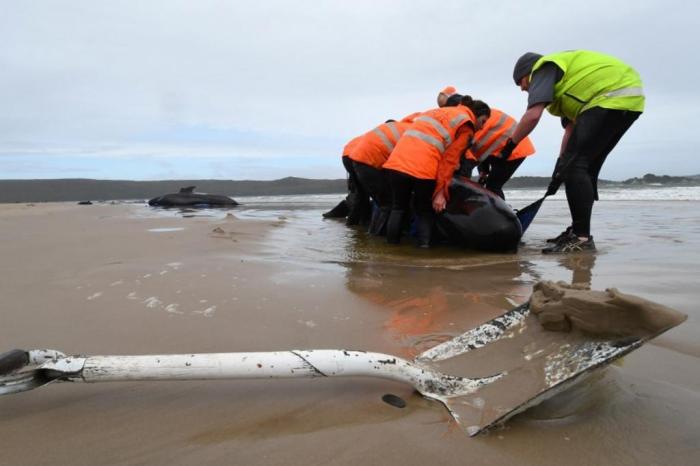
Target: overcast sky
[267,89]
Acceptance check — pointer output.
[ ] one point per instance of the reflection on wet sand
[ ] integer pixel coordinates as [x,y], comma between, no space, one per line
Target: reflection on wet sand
[428,305]
[581,266]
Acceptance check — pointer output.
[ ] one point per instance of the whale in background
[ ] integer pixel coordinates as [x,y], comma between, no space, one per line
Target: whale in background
[188,198]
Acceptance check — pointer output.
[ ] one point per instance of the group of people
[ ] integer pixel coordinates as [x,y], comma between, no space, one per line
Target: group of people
[597,97]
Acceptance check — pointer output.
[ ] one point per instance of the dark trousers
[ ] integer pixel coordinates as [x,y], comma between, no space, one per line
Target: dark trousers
[358,197]
[595,134]
[499,173]
[375,182]
[352,178]
[402,186]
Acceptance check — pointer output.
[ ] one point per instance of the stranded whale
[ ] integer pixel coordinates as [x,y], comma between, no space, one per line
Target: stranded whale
[188,198]
[475,218]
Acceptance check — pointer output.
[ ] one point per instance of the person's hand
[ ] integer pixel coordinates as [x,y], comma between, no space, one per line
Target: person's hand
[507,149]
[439,202]
[557,179]
[554,184]
[485,169]
[465,167]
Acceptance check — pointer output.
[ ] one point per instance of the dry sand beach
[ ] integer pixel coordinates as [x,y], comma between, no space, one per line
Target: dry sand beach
[272,275]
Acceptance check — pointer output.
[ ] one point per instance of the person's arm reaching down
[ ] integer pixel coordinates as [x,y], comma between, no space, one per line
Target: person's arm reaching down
[448,163]
[528,122]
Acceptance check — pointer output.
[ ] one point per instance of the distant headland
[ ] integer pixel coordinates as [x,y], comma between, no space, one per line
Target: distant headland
[61,190]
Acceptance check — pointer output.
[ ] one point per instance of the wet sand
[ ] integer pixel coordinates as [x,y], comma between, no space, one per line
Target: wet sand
[126,279]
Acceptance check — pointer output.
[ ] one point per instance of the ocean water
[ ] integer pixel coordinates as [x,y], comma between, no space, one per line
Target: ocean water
[662,214]
[683,193]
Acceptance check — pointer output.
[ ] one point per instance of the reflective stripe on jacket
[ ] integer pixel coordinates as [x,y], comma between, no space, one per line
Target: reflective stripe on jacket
[592,79]
[492,137]
[411,117]
[432,147]
[374,146]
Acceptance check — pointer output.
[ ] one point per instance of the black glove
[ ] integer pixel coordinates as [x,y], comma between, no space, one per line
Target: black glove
[557,179]
[507,149]
[553,187]
[465,167]
[484,170]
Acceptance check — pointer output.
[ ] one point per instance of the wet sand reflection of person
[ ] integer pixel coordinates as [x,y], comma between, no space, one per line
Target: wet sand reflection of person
[581,266]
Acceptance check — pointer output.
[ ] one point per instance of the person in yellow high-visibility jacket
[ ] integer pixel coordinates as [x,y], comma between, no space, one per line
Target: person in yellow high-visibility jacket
[598,98]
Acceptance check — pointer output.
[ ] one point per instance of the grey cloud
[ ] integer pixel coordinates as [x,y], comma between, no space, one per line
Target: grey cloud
[79,74]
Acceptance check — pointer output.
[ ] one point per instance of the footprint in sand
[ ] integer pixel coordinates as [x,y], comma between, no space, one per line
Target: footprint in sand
[208,312]
[308,323]
[152,302]
[172,309]
[219,232]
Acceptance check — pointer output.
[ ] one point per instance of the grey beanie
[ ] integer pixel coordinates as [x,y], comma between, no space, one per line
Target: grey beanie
[524,65]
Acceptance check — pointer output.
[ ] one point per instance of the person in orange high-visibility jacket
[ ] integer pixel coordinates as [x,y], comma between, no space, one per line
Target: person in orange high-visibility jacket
[368,156]
[497,159]
[445,94]
[424,160]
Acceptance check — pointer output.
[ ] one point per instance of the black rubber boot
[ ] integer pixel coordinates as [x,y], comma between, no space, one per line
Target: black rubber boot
[373,220]
[394,226]
[359,213]
[353,202]
[339,211]
[424,230]
[380,218]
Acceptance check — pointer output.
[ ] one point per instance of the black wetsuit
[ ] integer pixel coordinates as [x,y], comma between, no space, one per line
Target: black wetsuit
[594,135]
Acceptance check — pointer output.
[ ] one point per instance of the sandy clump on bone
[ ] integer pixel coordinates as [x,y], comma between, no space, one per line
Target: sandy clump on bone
[607,314]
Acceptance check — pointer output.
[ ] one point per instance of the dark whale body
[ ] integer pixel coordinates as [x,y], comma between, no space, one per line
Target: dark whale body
[476,218]
[188,198]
